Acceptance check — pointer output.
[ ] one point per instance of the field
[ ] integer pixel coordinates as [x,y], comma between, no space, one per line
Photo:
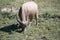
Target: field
[48,23]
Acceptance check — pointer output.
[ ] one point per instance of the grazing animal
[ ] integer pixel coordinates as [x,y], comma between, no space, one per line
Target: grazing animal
[26,13]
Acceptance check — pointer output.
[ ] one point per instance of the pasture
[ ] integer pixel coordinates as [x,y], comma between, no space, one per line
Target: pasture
[48,23]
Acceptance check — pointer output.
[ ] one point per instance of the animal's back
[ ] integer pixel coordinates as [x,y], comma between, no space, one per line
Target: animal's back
[30,7]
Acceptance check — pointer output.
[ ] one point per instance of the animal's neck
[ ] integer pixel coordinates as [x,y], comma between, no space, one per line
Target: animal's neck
[23,17]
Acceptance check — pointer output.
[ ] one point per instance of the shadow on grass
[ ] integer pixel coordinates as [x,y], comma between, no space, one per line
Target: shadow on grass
[10,28]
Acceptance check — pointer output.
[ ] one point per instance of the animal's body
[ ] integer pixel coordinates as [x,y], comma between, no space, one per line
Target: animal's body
[27,11]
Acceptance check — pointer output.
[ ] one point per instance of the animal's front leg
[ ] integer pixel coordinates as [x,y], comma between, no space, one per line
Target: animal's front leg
[27,19]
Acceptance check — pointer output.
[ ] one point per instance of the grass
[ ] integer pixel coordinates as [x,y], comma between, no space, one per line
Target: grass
[48,24]
[48,29]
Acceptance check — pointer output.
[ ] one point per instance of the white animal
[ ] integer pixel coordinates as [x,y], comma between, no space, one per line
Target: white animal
[26,13]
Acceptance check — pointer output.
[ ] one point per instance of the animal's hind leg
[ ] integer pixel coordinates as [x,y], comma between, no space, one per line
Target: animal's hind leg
[36,18]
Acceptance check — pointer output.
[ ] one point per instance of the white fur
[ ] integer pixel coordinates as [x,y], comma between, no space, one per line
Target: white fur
[29,8]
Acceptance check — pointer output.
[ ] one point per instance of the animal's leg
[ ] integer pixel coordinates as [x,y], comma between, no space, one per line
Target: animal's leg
[27,19]
[36,18]
[30,19]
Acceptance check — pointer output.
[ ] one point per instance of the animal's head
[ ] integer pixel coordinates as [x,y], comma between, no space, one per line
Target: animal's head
[22,23]
[20,20]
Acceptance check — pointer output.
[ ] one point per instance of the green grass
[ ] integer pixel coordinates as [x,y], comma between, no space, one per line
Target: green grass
[47,28]
[48,23]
